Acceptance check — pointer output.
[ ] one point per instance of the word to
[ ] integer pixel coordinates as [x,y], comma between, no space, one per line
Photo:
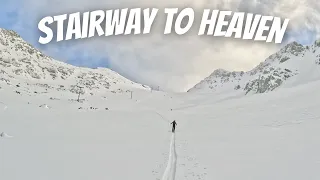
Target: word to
[140,21]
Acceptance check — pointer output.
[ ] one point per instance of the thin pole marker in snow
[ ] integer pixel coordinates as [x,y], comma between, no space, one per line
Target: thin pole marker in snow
[80,88]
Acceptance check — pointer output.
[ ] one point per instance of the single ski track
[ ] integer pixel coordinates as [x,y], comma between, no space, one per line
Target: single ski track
[170,171]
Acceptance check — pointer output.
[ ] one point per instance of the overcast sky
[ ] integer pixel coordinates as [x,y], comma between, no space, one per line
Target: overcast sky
[174,63]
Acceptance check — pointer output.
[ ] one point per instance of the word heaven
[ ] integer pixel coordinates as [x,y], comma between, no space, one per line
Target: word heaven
[139,21]
[245,26]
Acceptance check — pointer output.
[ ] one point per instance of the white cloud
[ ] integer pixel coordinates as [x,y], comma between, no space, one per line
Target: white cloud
[173,62]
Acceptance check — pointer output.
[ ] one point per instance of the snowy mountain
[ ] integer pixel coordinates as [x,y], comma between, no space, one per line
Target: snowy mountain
[294,64]
[21,64]
[274,136]
[49,136]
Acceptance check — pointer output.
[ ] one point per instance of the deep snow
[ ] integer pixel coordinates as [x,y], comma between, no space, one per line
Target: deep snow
[218,137]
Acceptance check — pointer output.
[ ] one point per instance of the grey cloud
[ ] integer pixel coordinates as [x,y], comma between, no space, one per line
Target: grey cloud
[173,62]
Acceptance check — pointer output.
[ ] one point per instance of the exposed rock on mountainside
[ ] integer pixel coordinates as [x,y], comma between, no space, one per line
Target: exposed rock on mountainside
[294,63]
[19,61]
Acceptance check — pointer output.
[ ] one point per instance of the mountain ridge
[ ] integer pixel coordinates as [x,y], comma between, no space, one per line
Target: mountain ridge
[284,66]
[21,62]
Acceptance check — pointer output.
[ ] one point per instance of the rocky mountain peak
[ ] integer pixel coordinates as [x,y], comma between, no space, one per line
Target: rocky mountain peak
[294,48]
[294,62]
[21,61]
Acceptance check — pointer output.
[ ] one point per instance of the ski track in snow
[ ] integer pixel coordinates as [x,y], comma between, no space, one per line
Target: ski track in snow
[170,171]
[5,135]
[3,106]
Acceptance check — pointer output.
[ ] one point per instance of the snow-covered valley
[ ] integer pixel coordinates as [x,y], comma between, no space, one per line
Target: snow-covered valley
[122,131]
[264,136]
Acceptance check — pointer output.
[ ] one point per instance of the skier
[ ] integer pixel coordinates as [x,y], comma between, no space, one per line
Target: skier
[174,126]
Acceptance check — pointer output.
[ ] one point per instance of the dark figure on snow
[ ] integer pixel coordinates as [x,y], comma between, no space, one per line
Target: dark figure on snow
[174,126]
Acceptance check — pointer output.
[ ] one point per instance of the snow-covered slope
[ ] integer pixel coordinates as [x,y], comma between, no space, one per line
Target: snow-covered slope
[270,136]
[23,65]
[49,136]
[293,65]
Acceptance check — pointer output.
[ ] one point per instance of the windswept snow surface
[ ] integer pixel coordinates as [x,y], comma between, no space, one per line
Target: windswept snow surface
[219,137]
